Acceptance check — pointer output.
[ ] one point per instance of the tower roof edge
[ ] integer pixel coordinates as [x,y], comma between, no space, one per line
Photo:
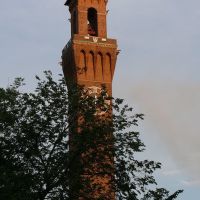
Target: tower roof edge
[67,2]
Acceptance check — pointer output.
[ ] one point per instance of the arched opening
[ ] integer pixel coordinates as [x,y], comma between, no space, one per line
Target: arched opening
[99,67]
[90,66]
[74,22]
[82,65]
[107,68]
[92,22]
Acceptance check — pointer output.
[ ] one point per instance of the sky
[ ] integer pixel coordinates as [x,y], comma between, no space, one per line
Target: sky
[157,72]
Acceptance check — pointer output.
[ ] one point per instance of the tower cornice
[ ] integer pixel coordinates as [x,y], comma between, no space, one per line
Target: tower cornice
[67,3]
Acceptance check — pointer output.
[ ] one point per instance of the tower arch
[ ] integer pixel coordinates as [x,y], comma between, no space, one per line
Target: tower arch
[74,22]
[107,68]
[92,21]
[90,66]
[99,67]
[82,65]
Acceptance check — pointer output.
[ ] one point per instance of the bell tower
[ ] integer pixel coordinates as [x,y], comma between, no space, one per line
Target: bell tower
[89,60]
[90,56]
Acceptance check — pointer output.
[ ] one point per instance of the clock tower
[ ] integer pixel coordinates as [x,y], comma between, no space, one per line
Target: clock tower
[89,57]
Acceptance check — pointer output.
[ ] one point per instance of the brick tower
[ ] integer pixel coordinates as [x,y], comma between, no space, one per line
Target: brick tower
[89,57]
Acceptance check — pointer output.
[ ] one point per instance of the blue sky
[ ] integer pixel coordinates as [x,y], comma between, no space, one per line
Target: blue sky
[157,70]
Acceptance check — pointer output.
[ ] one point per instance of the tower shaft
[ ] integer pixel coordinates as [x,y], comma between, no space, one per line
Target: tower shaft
[89,60]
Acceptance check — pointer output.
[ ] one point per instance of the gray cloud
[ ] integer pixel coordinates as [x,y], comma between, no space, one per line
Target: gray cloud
[173,110]
[32,36]
[158,70]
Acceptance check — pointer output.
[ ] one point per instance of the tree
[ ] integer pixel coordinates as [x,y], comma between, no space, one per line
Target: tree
[35,161]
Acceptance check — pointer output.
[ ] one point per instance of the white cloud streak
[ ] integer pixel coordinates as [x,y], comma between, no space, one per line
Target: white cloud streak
[173,110]
[191,183]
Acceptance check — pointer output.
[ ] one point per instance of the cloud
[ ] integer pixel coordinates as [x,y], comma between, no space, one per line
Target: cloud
[32,36]
[171,172]
[191,183]
[173,110]
[159,68]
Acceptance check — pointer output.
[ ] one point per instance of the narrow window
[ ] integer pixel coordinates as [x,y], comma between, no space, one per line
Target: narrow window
[107,68]
[74,22]
[99,67]
[92,22]
[90,66]
[82,65]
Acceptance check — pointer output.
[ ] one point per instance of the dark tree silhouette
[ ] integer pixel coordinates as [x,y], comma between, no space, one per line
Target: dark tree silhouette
[35,162]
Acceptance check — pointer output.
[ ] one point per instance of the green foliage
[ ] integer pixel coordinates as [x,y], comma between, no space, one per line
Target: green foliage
[35,161]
